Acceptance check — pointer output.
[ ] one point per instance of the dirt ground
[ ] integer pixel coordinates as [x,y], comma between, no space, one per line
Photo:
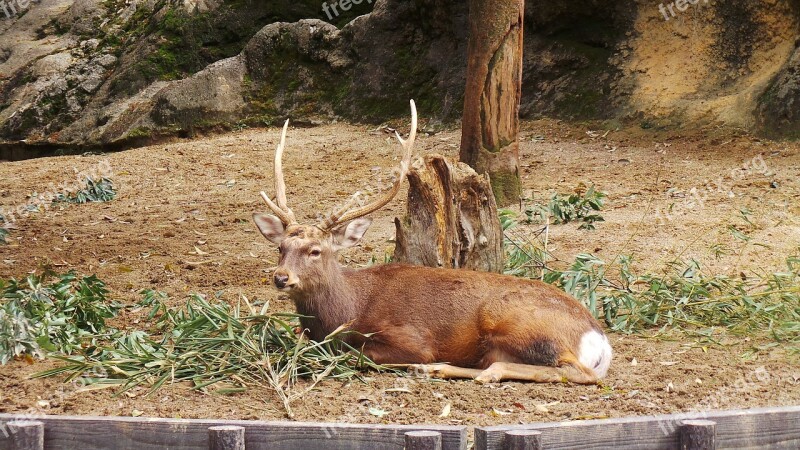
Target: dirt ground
[199,194]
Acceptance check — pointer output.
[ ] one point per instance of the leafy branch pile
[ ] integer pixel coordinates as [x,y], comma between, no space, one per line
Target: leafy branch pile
[523,257]
[685,297]
[205,343]
[95,192]
[49,313]
[580,205]
[3,231]
[682,297]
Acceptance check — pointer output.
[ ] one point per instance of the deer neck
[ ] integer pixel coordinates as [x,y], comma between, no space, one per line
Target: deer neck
[329,304]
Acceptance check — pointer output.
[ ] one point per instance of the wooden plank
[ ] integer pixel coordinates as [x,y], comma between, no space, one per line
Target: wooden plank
[698,435]
[423,440]
[102,433]
[26,435]
[226,437]
[774,428]
[522,440]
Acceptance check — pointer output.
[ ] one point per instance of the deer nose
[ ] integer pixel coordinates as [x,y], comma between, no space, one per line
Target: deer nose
[281,280]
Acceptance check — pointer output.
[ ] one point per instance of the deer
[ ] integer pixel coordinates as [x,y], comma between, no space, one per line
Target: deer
[445,323]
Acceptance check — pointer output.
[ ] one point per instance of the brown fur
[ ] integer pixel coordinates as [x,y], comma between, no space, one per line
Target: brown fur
[471,313]
[491,327]
[506,326]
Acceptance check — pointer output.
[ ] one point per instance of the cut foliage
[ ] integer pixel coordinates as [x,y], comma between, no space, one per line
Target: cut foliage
[52,313]
[580,205]
[211,343]
[94,191]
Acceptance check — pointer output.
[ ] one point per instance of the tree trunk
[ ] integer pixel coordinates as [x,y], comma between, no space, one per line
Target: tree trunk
[490,126]
[451,220]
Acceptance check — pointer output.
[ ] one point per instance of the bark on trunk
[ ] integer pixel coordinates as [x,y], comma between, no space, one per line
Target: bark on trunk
[490,124]
[451,219]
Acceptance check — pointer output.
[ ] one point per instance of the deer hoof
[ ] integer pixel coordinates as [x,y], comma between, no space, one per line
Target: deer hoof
[426,370]
[490,375]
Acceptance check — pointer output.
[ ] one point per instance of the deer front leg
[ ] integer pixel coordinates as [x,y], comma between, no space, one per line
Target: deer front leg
[443,371]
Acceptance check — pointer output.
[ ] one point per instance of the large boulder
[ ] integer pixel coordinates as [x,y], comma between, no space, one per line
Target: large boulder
[779,107]
[296,69]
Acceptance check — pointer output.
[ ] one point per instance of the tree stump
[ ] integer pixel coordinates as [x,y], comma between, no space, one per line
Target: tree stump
[451,220]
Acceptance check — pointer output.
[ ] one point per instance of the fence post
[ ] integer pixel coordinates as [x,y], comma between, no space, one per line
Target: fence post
[523,440]
[423,440]
[226,437]
[26,435]
[698,435]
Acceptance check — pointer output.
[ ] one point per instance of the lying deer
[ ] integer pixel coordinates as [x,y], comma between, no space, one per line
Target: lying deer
[484,326]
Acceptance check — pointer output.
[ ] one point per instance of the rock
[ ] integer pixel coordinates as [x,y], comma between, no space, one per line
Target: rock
[57,63]
[90,44]
[778,113]
[73,104]
[92,82]
[214,95]
[318,69]
[311,39]
[192,6]
[105,60]
[83,17]
[55,87]
[79,72]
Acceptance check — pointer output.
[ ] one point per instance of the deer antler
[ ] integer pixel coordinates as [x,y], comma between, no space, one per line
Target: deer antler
[344,214]
[281,209]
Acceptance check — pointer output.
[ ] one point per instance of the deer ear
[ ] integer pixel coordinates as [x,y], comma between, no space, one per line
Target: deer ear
[270,226]
[350,233]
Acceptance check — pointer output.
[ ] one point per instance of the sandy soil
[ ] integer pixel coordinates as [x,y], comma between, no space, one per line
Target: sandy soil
[201,193]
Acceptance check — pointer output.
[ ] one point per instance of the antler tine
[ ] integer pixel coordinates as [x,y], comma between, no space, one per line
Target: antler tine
[281,209]
[285,218]
[280,185]
[343,215]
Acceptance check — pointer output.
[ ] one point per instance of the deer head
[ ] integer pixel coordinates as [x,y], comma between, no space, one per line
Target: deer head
[308,252]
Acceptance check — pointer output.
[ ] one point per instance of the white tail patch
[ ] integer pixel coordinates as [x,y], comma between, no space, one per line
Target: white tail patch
[595,352]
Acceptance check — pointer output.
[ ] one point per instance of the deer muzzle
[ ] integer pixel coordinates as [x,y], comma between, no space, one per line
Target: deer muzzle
[285,280]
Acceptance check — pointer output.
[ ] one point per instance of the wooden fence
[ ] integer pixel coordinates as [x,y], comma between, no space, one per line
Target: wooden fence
[766,428]
[111,433]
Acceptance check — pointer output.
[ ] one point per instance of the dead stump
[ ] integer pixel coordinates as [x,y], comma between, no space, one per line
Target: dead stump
[451,220]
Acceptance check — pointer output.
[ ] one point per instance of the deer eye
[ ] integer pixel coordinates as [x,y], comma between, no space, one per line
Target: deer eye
[316,252]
